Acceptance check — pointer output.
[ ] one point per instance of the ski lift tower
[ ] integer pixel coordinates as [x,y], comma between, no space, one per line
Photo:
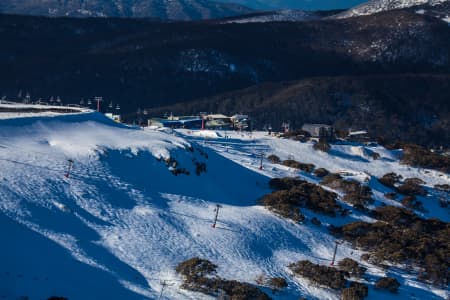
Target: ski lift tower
[285,126]
[98,100]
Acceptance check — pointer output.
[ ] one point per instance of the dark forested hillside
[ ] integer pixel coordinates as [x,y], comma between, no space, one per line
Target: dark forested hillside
[148,64]
[140,63]
[408,108]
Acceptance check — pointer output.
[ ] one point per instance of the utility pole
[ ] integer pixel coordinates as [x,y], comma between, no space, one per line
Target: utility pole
[335,250]
[69,168]
[217,215]
[261,162]
[98,99]
[164,285]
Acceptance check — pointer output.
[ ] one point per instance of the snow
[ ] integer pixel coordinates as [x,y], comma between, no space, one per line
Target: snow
[287,15]
[375,6]
[121,222]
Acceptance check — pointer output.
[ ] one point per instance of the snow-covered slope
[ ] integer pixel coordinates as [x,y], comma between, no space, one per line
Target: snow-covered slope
[120,223]
[375,6]
[288,15]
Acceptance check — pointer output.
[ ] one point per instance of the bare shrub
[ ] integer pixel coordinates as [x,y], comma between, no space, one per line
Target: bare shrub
[356,291]
[274,159]
[294,193]
[195,268]
[316,221]
[277,283]
[390,179]
[199,275]
[388,283]
[412,203]
[323,275]
[403,237]
[200,167]
[418,156]
[391,195]
[322,146]
[298,165]
[411,188]
[442,187]
[285,183]
[358,195]
[321,172]
[351,266]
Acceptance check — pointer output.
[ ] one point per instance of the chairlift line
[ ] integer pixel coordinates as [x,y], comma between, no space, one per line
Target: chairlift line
[216,210]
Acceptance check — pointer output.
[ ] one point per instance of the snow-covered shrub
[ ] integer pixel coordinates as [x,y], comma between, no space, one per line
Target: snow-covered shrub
[388,283]
[322,275]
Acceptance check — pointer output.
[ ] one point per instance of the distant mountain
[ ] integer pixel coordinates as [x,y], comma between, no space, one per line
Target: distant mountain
[376,6]
[163,9]
[296,4]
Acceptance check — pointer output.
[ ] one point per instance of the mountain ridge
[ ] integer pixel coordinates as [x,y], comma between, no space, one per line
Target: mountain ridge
[376,6]
[162,9]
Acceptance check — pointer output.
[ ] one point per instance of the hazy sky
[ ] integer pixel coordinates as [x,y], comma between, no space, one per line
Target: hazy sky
[297,4]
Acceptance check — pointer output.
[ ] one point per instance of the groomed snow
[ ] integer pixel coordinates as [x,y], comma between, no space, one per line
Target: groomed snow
[122,221]
[375,6]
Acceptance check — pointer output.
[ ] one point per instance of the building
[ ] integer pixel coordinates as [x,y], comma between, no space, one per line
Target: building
[115,118]
[361,136]
[319,130]
[203,121]
[240,122]
[190,122]
[217,121]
